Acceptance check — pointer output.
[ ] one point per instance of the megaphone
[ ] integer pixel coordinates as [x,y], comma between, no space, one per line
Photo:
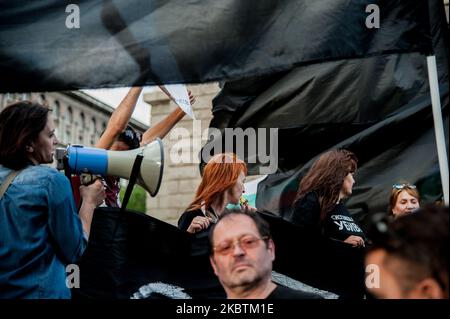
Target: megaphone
[92,160]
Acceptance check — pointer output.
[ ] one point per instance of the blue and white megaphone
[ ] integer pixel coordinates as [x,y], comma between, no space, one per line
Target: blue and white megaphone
[120,163]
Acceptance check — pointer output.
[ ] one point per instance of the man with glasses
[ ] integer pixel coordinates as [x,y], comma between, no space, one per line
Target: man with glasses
[242,255]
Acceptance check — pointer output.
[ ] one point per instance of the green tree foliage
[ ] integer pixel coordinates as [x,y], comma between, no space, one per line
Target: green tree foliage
[137,200]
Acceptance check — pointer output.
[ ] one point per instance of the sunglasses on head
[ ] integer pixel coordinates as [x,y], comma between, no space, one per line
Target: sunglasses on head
[131,138]
[403,186]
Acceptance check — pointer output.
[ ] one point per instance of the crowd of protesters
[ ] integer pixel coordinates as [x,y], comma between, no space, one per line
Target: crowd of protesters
[41,229]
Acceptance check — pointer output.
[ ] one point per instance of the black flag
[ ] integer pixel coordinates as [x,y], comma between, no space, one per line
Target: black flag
[378,107]
[52,45]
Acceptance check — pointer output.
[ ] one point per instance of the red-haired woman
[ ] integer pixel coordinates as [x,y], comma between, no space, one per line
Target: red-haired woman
[319,199]
[222,184]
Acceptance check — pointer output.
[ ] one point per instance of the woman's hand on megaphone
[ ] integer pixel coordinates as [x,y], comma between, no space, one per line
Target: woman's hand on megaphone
[93,194]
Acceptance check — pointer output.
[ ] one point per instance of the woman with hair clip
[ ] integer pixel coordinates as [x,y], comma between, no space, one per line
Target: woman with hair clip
[222,184]
[319,205]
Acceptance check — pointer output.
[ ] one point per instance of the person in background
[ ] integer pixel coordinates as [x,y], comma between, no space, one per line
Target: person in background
[119,136]
[242,256]
[222,184]
[40,230]
[319,204]
[410,255]
[404,200]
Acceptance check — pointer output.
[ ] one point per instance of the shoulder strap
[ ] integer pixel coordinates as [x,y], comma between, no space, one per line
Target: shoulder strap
[8,182]
[132,181]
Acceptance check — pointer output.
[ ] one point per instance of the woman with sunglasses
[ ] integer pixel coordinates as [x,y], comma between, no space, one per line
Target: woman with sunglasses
[222,184]
[319,204]
[404,200]
[127,140]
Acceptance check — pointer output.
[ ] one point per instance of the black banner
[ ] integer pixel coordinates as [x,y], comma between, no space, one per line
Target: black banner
[377,107]
[51,45]
[133,255]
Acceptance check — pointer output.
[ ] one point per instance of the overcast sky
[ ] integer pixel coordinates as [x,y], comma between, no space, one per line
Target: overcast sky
[114,96]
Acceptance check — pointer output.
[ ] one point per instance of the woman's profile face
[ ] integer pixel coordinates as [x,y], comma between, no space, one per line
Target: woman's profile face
[237,190]
[42,150]
[405,204]
[347,185]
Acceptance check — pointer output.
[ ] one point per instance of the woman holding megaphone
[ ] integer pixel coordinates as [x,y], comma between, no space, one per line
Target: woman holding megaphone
[40,230]
[222,184]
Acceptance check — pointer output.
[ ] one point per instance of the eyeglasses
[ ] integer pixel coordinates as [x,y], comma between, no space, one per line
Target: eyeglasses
[245,243]
[403,186]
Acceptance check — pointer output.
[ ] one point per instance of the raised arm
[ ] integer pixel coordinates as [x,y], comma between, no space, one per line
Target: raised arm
[163,127]
[119,119]
[160,129]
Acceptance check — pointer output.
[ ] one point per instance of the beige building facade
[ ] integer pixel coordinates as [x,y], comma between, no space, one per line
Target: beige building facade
[79,118]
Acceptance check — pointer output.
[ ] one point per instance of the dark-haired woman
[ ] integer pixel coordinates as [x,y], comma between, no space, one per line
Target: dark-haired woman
[319,205]
[40,230]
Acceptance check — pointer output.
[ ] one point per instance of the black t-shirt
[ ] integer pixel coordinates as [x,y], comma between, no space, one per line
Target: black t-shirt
[281,292]
[187,217]
[338,223]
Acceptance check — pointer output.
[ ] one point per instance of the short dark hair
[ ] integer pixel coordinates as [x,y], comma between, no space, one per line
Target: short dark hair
[262,226]
[20,124]
[420,239]
[130,137]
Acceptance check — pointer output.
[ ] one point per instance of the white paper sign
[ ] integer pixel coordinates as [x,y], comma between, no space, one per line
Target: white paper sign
[179,94]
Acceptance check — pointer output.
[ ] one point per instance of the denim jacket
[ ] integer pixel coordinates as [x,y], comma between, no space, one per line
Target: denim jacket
[40,233]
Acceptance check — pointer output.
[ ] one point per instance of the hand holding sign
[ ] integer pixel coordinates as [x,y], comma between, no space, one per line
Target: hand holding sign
[180,95]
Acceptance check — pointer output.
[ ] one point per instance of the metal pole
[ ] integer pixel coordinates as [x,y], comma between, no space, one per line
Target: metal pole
[438,125]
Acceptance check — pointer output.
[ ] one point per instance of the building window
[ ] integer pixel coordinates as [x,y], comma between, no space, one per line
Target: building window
[69,115]
[9,98]
[56,110]
[94,125]
[82,121]
[42,100]
[81,131]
